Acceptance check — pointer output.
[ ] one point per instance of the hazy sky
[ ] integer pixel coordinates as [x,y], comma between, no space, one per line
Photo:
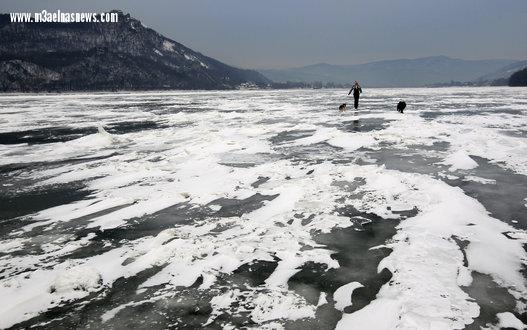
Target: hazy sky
[285,33]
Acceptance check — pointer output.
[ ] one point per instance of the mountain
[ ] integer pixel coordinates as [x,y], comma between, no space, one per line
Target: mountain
[106,56]
[503,73]
[393,73]
[519,78]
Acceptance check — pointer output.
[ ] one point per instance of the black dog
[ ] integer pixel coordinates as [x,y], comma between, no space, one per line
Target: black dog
[342,107]
[400,106]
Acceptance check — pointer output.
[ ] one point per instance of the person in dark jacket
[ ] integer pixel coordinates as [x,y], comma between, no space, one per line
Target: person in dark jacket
[400,106]
[356,89]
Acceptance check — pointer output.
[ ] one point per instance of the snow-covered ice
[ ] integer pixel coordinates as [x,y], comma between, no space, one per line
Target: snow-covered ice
[234,209]
[508,320]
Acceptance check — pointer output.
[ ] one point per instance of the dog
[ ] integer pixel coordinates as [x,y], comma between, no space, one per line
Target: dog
[400,106]
[343,107]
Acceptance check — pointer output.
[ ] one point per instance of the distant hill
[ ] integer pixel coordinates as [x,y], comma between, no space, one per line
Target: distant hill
[393,73]
[503,73]
[106,56]
[518,78]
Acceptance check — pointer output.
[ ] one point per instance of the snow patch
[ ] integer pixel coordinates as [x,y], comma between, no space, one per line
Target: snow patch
[79,278]
[342,295]
[508,320]
[168,46]
[193,58]
[322,299]
[380,314]
[460,160]
[276,306]
[11,245]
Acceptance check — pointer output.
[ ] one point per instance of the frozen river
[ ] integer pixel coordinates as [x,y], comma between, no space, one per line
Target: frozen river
[264,209]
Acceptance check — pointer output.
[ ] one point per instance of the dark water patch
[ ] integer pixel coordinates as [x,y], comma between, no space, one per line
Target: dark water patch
[153,224]
[105,240]
[247,161]
[190,308]
[490,109]
[184,310]
[261,180]
[181,213]
[156,106]
[46,135]
[60,234]
[520,133]
[357,263]
[156,109]
[253,274]
[348,186]
[462,244]
[97,214]
[166,109]
[287,136]
[492,299]
[405,161]
[237,111]
[314,154]
[326,318]
[147,105]
[358,159]
[237,207]
[97,245]
[27,202]
[306,221]
[238,165]
[507,111]
[182,124]
[431,115]
[64,134]
[55,163]
[363,125]
[405,214]
[274,120]
[125,127]
[505,200]
[149,225]
[438,146]
[87,312]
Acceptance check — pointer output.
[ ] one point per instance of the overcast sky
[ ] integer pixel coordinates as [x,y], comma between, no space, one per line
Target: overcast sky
[286,33]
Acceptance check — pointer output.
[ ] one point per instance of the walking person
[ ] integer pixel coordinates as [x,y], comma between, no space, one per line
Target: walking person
[356,89]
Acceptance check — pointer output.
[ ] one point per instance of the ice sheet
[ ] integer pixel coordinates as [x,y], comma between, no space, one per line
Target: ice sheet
[287,161]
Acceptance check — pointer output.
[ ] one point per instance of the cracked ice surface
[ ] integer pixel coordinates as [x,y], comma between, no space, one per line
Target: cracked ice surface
[204,208]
